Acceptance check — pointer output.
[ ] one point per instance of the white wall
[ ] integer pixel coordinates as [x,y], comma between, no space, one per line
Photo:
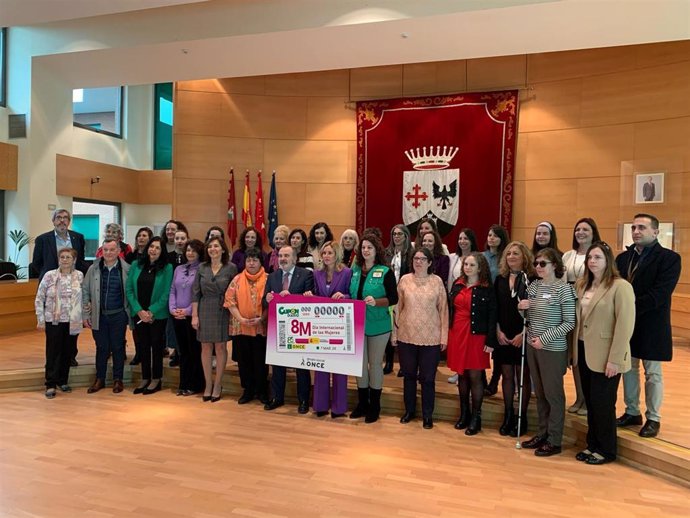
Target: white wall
[46,97]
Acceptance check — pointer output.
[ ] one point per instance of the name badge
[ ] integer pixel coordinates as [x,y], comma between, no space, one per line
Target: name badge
[377,274]
[546,296]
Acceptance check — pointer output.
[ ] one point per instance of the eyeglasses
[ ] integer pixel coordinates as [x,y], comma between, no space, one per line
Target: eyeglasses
[419,259]
[62,218]
[542,264]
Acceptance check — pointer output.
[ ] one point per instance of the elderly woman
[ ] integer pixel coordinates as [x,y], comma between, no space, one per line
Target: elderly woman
[420,333]
[545,237]
[348,242]
[472,336]
[249,238]
[605,323]
[516,271]
[550,309]
[584,234]
[332,280]
[114,231]
[467,243]
[180,305]
[148,290]
[298,242]
[59,312]
[248,326]
[280,239]
[374,283]
[209,317]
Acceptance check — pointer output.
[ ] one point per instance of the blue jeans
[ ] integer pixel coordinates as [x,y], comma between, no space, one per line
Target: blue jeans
[110,339]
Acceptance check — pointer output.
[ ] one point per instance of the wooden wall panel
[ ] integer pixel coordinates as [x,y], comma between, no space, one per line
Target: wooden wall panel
[376,82]
[667,140]
[635,96]
[198,113]
[256,116]
[308,161]
[331,83]
[9,166]
[200,200]
[333,203]
[330,118]
[434,78]
[117,184]
[553,154]
[229,85]
[556,66]
[496,73]
[551,106]
[199,156]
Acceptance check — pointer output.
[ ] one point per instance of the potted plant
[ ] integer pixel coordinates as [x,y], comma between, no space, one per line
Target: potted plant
[20,239]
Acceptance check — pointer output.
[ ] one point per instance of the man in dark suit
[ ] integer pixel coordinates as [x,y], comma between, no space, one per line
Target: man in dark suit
[649,190]
[653,272]
[46,248]
[289,279]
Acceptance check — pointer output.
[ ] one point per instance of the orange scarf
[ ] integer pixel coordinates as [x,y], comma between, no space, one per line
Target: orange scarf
[245,292]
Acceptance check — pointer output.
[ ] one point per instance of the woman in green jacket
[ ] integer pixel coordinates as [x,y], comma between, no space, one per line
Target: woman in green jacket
[374,283]
[148,290]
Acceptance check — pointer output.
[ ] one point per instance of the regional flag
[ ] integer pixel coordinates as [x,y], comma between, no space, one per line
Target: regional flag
[259,222]
[232,220]
[246,208]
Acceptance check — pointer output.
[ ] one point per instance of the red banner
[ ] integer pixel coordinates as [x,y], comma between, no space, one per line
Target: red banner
[259,221]
[451,158]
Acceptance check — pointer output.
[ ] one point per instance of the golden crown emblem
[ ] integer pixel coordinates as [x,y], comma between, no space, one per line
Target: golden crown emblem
[439,159]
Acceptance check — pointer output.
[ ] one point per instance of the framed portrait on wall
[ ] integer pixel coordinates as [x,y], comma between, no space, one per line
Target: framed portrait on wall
[665,236]
[649,187]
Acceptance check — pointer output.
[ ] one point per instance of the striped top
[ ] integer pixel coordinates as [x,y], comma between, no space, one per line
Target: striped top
[552,313]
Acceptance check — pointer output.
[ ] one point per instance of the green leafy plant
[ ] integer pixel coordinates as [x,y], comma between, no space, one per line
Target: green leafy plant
[20,239]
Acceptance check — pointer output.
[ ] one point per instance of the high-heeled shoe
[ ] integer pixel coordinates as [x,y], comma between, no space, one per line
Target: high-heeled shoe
[140,390]
[147,391]
[206,399]
[214,399]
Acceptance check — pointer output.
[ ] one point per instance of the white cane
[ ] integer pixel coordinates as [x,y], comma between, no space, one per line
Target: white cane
[518,446]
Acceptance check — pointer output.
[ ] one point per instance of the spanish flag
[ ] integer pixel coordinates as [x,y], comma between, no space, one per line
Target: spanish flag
[246,208]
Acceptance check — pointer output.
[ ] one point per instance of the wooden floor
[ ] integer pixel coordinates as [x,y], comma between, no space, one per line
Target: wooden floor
[162,456]
[26,351]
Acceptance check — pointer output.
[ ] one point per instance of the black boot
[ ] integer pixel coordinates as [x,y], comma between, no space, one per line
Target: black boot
[508,421]
[388,367]
[523,427]
[362,405]
[374,406]
[475,423]
[464,420]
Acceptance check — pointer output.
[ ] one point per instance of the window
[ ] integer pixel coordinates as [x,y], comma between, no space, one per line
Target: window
[90,218]
[163,126]
[3,66]
[99,109]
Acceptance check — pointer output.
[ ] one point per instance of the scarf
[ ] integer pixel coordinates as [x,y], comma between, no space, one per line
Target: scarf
[248,292]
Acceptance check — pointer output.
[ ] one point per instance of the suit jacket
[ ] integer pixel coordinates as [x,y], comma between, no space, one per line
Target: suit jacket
[653,282]
[608,324]
[45,253]
[340,282]
[302,280]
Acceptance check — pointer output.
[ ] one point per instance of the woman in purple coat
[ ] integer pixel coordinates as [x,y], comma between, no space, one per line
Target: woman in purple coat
[331,280]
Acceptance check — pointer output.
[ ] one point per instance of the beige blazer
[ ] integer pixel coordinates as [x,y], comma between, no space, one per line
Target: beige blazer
[607,324]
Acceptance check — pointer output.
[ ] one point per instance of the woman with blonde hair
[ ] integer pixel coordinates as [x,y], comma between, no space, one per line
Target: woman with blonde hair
[332,280]
[605,322]
[515,273]
[280,239]
[348,242]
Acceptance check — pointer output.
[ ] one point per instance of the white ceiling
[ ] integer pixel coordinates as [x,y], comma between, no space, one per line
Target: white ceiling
[232,38]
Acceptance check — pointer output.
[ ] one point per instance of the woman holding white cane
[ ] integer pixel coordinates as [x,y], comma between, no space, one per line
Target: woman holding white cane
[551,314]
[515,273]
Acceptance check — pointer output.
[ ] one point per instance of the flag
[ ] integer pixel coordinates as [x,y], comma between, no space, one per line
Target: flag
[259,222]
[232,221]
[272,210]
[246,208]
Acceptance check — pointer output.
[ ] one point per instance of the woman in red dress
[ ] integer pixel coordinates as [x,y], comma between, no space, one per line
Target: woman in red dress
[472,336]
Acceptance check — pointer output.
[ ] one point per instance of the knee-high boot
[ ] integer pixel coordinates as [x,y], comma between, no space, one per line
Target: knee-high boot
[464,420]
[390,352]
[362,405]
[374,406]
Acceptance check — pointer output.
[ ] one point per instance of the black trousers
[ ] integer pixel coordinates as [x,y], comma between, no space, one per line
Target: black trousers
[189,350]
[278,380]
[251,361]
[600,396]
[59,353]
[151,338]
[419,362]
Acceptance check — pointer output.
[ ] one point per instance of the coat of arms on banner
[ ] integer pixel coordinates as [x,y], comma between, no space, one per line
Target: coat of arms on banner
[431,190]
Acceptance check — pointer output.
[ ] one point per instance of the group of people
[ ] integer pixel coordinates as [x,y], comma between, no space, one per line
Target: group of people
[535,310]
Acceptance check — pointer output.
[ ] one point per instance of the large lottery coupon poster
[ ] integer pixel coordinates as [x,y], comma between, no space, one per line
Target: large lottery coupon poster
[316,333]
